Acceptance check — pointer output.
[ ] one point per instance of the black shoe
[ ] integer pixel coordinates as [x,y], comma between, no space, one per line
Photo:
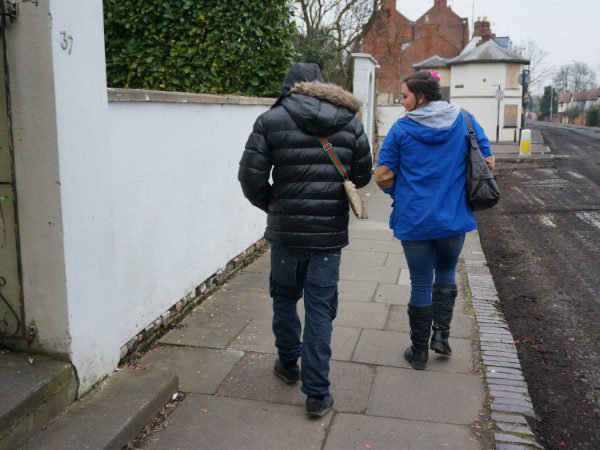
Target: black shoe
[443,297]
[317,406]
[290,373]
[420,318]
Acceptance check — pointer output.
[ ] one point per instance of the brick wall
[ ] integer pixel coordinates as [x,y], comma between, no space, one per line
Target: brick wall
[389,41]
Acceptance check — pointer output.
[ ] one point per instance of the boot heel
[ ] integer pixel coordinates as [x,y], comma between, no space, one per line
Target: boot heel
[439,349]
[419,365]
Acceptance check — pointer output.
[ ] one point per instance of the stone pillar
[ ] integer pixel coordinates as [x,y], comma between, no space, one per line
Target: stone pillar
[62,165]
[364,90]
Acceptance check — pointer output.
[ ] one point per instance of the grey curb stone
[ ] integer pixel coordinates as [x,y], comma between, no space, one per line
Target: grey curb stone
[513,428]
[504,437]
[517,383]
[513,408]
[510,418]
[498,387]
[506,394]
[504,376]
[505,381]
[510,447]
[499,359]
[499,369]
[513,401]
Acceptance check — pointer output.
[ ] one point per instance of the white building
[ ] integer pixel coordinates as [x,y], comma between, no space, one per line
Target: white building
[476,75]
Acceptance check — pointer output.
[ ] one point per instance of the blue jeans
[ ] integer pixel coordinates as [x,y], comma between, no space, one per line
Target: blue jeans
[314,274]
[429,257]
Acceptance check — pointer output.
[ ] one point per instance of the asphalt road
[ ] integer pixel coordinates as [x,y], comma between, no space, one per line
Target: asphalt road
[543,246]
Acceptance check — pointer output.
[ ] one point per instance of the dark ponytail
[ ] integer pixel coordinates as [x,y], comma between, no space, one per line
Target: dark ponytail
[424,84]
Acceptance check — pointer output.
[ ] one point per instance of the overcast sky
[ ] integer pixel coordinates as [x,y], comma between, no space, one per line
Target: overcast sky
[567,29]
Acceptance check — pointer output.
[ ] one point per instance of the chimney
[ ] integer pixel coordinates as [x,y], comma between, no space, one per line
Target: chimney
[483,29]
[389,4]
[440,4]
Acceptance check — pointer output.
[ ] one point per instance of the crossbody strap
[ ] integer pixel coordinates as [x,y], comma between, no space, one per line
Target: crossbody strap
[472,136]
[333,157]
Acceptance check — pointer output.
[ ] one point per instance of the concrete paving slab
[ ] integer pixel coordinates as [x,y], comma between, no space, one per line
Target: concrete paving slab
[359,432]
[368,272]
[396,260]
[249,281]
[375,246]
[393,294]
[253,378]
[361,257]
[375,235]
[362,315]
[111,415]
[461,326]
[404,278]
[356,291]
[258,337]
[386,348]
[261,265]
[200,370]
[244,304]
[204,421]
[205,330]
[426,395]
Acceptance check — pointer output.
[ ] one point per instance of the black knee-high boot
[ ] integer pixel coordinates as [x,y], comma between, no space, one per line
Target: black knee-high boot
[420,318]
[443,297]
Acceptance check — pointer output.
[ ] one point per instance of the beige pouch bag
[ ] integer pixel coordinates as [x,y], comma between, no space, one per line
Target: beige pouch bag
[354,198]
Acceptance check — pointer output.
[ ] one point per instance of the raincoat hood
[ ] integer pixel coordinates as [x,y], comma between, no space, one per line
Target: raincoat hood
[432,123]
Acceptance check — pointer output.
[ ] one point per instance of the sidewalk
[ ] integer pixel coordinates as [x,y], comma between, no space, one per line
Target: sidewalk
[509,151]
[223,354]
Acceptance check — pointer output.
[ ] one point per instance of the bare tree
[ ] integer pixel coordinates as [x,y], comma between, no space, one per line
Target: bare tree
[532,51]
[582,75]
[345,22]
[562,78]
[574,77]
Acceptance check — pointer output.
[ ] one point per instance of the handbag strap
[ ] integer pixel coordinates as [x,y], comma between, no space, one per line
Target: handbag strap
[333,157]
[472,137]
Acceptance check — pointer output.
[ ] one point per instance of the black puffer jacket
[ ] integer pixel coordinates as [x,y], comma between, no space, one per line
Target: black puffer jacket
[306,204]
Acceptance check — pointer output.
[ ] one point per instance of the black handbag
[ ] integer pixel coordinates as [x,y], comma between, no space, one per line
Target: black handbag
[482,190]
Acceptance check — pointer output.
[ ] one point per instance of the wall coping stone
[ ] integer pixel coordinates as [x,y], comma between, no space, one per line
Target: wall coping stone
[148,96]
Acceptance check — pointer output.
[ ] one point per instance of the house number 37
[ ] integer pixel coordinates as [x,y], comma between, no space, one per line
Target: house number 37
[67,42]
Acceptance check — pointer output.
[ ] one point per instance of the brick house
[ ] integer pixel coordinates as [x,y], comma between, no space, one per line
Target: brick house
[397,43]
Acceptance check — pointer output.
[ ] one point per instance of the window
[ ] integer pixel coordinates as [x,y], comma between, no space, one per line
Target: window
[510,116]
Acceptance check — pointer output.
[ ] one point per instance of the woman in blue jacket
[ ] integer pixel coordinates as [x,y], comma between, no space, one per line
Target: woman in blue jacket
[422,165]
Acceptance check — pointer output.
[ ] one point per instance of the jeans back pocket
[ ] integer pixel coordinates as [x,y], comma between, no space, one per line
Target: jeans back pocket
[324,269]
[283,267]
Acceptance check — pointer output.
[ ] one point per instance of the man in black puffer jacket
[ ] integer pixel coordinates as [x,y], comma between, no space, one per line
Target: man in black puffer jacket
[307,222]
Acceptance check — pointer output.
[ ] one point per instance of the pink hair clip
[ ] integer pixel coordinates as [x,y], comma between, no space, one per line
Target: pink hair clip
[434,74]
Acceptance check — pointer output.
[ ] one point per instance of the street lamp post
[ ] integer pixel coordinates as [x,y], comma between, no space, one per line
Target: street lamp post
[499,98]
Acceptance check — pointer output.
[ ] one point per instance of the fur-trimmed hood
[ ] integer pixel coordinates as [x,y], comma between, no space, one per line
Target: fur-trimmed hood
[320,108]
[329,92]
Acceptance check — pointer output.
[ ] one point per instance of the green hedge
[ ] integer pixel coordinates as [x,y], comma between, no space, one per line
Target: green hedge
[210,46]
[593,117]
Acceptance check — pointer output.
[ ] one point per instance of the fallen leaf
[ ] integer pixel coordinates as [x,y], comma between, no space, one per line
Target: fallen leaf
[571,339]
[203,410]
[368,446]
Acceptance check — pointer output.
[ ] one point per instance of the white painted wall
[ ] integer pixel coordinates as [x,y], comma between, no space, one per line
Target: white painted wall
[123,209]
[478,95]
[387,116]
[364,89]
[179,211]
[85,184]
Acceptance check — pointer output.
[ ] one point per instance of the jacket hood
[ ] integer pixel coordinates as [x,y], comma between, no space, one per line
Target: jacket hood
[432,123]
[321,108]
